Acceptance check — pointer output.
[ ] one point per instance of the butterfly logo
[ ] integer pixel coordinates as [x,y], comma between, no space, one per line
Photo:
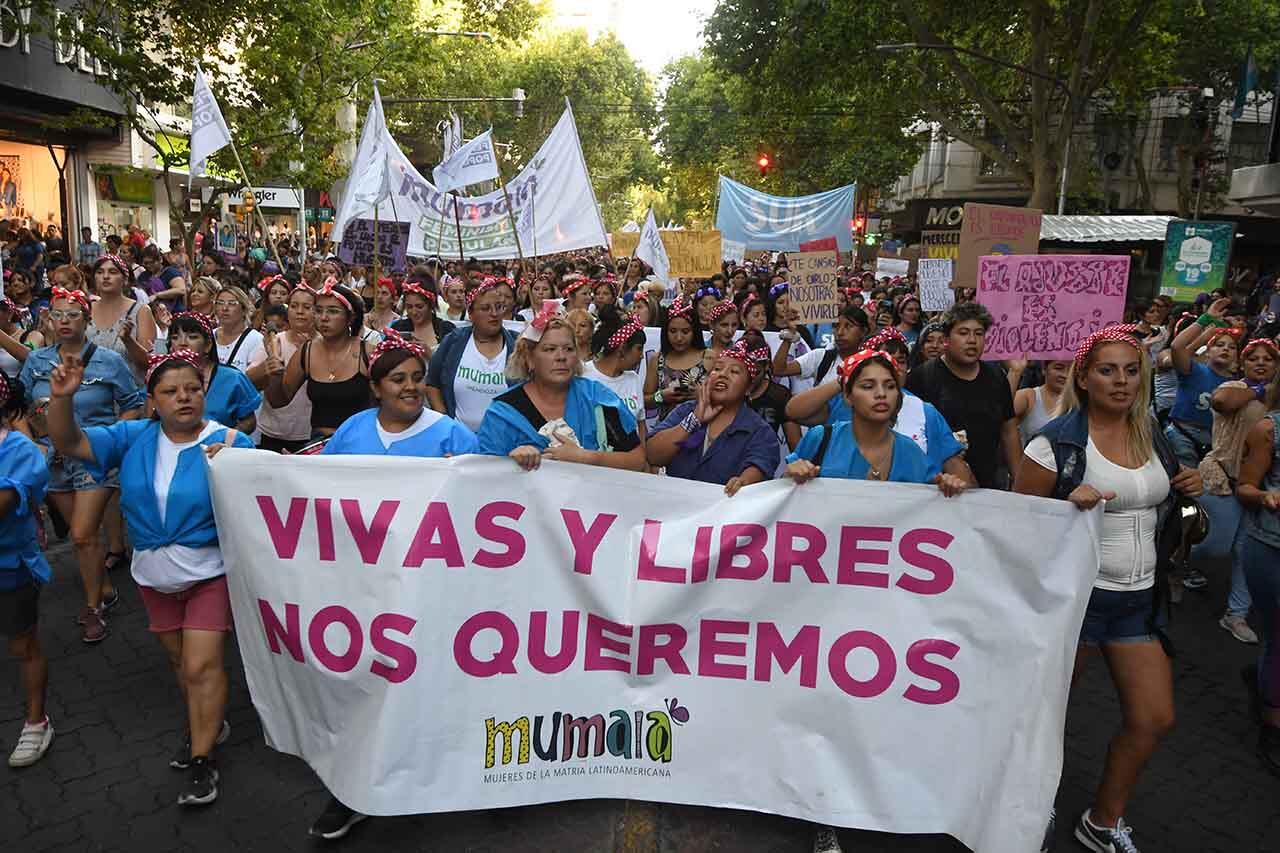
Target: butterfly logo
[678,713]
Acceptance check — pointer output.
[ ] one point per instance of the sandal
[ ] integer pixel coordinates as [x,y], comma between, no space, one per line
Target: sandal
[117,560]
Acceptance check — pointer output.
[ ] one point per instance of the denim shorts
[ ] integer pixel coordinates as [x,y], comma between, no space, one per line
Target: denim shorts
[72,475]
[1115,616]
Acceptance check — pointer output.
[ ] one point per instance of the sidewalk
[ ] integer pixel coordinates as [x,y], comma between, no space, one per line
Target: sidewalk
[106,784]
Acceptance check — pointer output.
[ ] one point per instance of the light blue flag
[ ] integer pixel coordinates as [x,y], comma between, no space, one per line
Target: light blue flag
[1247,83]
[782,223]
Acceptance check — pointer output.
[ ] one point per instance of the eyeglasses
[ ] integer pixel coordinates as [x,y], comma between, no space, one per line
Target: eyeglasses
[60,314]
[226,303]
[497,308]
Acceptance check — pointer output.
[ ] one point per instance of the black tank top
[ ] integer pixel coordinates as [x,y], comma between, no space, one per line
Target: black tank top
[334,402]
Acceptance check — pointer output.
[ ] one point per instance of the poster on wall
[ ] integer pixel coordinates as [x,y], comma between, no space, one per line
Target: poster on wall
[10,185]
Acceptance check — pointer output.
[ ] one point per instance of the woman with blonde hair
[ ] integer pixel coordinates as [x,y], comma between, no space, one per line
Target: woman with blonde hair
[583,326]
[1105,447]
[554,413]
[238,342]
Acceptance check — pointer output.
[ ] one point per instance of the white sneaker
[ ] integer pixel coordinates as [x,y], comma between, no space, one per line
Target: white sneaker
[33,743]
[1239,628]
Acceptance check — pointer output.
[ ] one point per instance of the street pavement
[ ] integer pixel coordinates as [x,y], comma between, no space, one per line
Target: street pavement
[106,784]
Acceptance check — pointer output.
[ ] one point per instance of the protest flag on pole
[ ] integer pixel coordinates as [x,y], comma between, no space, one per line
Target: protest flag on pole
[651,251]
[369,181]
[209,132]
[474,162]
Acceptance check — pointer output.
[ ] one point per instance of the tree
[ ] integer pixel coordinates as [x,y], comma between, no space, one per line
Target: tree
[1022,118]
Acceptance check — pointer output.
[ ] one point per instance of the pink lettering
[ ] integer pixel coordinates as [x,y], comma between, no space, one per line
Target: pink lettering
[710,646]
[404,657]
[597,643]
[649,570]
[802,649]
[488,528]
[940,569]
[743,540]
[320,623]
[435,539]
[786,556]
[324,530]
[850,555]
[886,666]
[290,635]
[369,540]
[284,535]
[648,649]
[538,656]
[700,568]
[585,540]
[918,663]
[503,659]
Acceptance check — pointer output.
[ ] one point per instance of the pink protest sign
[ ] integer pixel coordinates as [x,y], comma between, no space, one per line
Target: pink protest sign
[1045,305]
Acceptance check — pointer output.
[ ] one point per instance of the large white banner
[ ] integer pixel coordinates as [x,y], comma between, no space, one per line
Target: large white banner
[439,635]
[551,196]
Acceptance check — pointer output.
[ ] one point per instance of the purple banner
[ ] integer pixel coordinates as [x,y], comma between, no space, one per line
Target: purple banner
[1045,305]
[359,244]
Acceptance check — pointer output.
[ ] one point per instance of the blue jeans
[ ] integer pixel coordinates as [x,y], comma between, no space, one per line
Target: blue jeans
[1225,514]
[1121,616]
[1262,570]
[1180,435]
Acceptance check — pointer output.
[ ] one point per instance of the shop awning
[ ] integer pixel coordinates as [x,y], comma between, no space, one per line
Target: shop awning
[1104,229]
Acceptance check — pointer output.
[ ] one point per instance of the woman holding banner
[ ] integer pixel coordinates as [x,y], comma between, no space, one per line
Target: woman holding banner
[717,437]
[1107,448]
[169,513]
[555,413]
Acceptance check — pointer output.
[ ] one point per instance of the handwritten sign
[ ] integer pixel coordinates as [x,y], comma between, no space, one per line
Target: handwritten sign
[1045,305]
[359,244]
[811,280]
[693,254]
[994,229]
[935,284]
[892,268]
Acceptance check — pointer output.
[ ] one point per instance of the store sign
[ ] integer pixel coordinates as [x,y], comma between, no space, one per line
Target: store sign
[944,216]
[279,197]
[33,62]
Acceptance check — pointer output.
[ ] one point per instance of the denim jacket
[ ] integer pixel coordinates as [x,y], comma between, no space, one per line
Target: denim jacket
[447,357]
[1068,435]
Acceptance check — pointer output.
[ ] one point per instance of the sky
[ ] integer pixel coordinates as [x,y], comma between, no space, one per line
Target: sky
[654,31]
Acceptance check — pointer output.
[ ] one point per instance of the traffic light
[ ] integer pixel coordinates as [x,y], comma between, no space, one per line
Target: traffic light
[764,162]
[248,200]
[859,223]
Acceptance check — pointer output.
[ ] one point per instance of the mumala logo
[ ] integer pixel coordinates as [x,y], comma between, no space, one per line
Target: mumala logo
[562,736]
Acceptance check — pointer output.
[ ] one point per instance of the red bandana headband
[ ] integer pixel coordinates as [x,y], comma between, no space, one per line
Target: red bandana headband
[115,261]
[265,284]
[623,334]
[751,359]
[751,300]
[1265,343]
[720,310]
[72,295]
[1120,333]
[846,368]
[570,287]
[327,289]
[878,340]
[393,340]
[389,284]
[1230,331]
[414,287]
[205,321]
[184,355]
[680,308]
[487,285]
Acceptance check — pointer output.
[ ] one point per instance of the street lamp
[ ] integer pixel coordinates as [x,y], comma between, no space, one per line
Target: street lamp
[1057,81]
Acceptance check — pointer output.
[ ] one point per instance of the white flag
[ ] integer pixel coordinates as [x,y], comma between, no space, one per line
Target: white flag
[369,181]
[451,135]
[472,163]
[651,251]
[209,132]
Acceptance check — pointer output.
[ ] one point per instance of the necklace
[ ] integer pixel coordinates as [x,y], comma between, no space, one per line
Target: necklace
[333,374]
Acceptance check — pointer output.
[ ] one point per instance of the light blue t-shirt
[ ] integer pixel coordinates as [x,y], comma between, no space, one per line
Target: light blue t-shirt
[1195,389]
[843,460]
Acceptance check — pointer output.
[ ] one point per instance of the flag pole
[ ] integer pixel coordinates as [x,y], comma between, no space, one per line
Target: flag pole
[457,221]
[262,220]
[511,217]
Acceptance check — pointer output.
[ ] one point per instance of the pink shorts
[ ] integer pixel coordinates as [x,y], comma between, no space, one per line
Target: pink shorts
[203,607]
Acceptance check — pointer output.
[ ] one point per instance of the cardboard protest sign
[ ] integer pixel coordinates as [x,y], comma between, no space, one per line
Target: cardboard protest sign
[994,229]
[892,267]
[935,284]
[940,244]
[693,254]
[359,244]
[1045,305]
[1195,257]
[811,280]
